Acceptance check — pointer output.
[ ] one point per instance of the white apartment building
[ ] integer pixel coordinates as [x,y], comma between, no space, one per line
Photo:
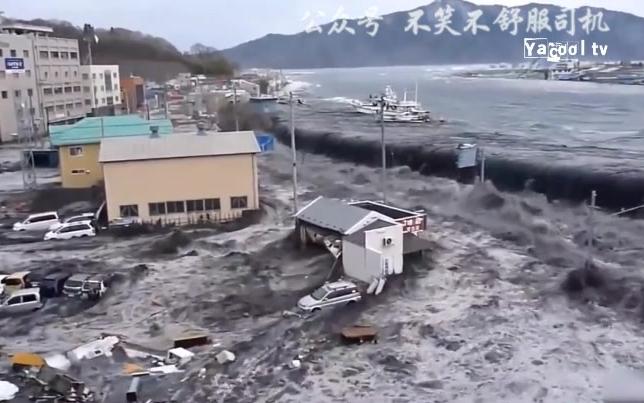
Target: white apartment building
[101,89]
[49,86]
[19,98]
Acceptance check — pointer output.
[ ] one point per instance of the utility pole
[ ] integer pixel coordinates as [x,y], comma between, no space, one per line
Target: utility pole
[482,164]
[591,229]
[294,154]
[235,106]
[383,150]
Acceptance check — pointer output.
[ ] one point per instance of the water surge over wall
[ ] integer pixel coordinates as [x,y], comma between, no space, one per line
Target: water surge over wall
[615,191]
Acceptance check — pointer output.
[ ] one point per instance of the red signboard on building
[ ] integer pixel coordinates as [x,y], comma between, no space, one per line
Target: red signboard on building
[414,224]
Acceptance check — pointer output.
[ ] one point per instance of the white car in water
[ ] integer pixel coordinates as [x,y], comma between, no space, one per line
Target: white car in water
[72,230]
[73,219]
[37,222]
[330,294]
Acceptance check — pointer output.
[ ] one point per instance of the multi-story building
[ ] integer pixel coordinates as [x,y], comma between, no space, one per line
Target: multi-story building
[39,74]
[101,89]
[19,97]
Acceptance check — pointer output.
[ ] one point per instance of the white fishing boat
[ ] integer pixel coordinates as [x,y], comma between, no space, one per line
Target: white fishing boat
[405,117]
[392,105]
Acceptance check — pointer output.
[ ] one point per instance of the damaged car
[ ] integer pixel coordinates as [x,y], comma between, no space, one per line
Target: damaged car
[21,301]
[330,294]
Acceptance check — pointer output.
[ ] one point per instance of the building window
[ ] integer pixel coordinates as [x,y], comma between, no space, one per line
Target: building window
[95,89]
[44,54]
[212,204]
[129,210]
[13,53]
[100,75]
[0,52]
[75,73]
[78,105]
[58,90]
[77,88]
[85,76]
[239,202]
[79,172]
[46,75]
[94,76]
[116,99]
[5,95]
[68,90]
[54,55]
[75,151]
[2,73]
[69,106]
[73,55]
[175,207]
[194,205]
[156,208]
[102,88]
[114,74]
[30,92]
[17,93]
[55,74]
[64,55]
[85,89]
[62,109]
[66,73]
[103,100]
[25,53]
[95,101]
[49,109]
[28,73]
[47,91]
[88,102]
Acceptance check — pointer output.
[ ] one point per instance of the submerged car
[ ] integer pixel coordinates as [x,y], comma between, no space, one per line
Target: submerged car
[330,294]
[73,219]
[20,301]
[52,285]
[95,286]
[72,230]
[37,222]
[74,285]
[18,280]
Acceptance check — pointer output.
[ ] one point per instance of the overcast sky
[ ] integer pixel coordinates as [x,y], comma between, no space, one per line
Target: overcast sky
[225,23]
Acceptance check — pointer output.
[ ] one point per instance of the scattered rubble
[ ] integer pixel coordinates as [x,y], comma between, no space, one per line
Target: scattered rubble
[225,356]
[7,390]
[94,349]
[192,341]
[359,334]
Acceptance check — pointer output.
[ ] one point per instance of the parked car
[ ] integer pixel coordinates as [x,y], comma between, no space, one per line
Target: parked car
[95,286]
[74,285]
[330,294]
[73,219]
[19,280]
[52,284]
[25,300]
[37,222]
[72,230]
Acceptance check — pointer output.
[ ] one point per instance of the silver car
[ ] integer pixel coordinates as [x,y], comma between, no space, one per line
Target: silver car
[330,294]
[25,300]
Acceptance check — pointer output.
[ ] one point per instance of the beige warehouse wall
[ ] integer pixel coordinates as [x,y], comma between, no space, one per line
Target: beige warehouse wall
[87,162]
[177,179]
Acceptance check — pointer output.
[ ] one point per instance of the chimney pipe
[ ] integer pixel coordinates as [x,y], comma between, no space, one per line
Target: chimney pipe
[154,131]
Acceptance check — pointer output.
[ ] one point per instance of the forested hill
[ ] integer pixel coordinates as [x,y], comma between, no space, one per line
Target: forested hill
[137,53]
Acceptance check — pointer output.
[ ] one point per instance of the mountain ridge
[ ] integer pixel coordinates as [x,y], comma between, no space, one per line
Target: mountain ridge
[396,47]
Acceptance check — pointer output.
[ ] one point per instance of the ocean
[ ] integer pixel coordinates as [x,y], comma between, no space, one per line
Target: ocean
[561,138]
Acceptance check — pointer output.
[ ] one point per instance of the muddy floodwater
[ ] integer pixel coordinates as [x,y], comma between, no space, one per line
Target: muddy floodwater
[497,311]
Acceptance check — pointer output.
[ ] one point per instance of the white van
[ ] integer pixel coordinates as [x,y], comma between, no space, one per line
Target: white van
[20,301]
[37,222]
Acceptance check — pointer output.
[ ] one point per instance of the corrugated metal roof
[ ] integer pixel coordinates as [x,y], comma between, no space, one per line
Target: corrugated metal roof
[332,214]
[177,146]
[92,130]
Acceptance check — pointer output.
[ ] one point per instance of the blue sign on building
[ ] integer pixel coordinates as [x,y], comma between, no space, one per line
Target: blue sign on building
[14,64]
[266,142]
